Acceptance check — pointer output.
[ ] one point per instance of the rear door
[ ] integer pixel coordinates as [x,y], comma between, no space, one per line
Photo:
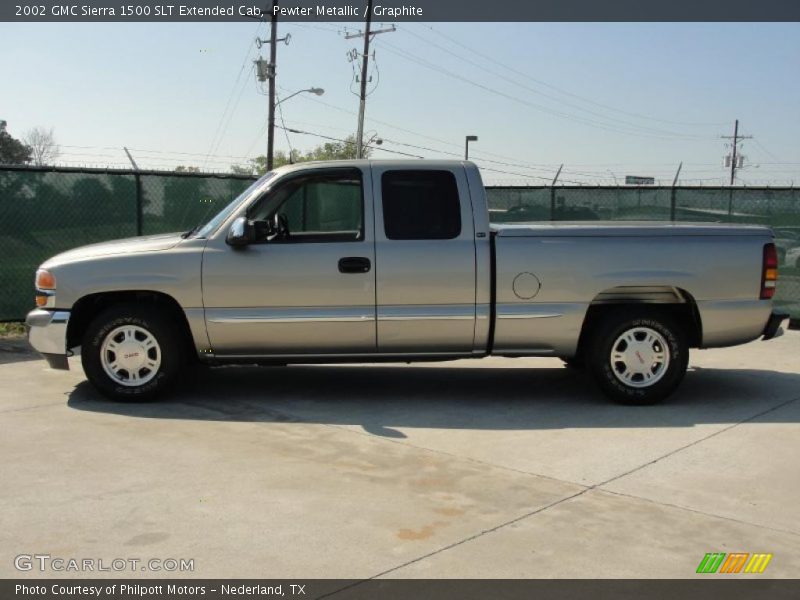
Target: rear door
[425,254]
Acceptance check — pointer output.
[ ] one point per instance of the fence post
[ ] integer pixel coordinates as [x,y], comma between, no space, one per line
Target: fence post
[730,203]
[672,199]
[673,193]
[138,179]
[553,194]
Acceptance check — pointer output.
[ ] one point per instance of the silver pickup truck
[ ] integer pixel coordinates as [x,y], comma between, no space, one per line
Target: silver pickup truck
[366,261]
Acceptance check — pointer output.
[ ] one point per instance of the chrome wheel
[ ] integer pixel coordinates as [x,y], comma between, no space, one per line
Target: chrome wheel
[639,357]
[130,355]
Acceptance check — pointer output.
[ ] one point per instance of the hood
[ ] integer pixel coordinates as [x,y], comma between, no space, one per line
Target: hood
[150,243]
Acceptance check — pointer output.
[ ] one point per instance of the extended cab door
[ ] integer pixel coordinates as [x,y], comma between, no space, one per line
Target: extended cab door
[311,292]
[425,252]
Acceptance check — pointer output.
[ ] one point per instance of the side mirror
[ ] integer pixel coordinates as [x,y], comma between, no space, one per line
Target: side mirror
[240,234]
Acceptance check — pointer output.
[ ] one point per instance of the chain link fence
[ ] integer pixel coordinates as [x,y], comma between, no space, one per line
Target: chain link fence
[44,211]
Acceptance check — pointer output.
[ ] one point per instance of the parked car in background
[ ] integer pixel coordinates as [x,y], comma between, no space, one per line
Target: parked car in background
[787,240]
[792,258]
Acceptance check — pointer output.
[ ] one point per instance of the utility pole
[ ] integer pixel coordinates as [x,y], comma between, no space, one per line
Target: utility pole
[733,157]
[265,71]
[273,50]
[364,64]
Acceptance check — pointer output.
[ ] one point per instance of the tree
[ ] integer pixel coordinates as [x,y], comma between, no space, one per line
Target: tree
[12,151]
[240,170]
[336,150]
[185,169]
[42,143]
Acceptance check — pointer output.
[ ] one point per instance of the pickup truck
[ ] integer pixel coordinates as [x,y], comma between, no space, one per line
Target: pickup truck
[366,261]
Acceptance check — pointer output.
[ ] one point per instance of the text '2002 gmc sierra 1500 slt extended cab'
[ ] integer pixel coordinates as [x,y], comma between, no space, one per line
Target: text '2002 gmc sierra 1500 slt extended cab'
[365,261]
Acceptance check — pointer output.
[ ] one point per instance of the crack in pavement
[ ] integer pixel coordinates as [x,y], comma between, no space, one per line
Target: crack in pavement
[577,495]
[24,408]
[700,440]
[701,512]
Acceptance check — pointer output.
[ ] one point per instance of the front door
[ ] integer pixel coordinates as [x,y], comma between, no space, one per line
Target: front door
[308,291]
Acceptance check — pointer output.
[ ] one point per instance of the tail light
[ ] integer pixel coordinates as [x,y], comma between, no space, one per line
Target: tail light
[769,272]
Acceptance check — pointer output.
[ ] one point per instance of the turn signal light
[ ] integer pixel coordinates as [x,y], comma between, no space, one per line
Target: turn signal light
[769,272]
[45,280]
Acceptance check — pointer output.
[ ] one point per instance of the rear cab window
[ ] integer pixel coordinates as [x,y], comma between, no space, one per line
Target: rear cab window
[420,205]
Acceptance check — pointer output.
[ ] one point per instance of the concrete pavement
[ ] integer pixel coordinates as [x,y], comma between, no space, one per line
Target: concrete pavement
[492,468]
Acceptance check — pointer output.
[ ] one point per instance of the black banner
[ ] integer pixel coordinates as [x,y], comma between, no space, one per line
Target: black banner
[402,10]
[390,589]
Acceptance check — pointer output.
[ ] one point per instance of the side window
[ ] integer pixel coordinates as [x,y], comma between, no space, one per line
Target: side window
[319,206]
[420,205]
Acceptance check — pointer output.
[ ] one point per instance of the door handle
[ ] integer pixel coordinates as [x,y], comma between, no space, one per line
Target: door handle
[354,264]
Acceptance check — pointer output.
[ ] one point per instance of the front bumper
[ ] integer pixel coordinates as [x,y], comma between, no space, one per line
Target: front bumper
[773,328]
[47,333]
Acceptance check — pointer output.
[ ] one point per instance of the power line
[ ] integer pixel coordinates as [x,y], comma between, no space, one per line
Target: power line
[542,166]
[344,141]
[539,92]
[218,131]
[592,123]
[562,91]
[285,131]
[227,121]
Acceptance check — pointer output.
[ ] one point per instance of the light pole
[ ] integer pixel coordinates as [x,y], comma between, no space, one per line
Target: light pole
[270,136]
[313,90]
[469,138]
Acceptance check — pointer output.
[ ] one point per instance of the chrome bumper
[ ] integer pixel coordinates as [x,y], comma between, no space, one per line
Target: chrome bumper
[47,333]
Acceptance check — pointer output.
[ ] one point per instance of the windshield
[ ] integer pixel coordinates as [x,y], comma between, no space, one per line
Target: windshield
[230,208]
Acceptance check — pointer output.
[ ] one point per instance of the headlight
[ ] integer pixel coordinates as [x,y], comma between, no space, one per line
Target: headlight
[45,287]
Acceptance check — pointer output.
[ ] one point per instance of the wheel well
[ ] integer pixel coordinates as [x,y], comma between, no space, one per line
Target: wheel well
[665,300]
[88,307]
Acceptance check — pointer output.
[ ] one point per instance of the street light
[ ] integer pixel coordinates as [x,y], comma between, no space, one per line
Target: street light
[313,90]
[271,121]
[470,138]
[373,138]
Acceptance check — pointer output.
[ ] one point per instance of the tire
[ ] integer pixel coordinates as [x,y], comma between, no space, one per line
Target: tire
[624,343]
[144,340]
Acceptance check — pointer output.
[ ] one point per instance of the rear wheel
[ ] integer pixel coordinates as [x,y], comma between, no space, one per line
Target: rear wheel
[132,353]
[638,358]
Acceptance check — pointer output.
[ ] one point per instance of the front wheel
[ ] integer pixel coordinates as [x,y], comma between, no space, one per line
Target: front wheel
[131,353]
[638,358]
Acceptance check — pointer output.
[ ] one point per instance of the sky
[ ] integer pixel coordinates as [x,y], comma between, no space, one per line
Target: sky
[606,100]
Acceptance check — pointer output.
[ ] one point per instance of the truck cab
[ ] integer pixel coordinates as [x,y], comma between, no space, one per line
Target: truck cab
[362,259]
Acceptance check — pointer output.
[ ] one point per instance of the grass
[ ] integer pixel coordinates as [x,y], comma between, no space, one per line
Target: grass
[12,329]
